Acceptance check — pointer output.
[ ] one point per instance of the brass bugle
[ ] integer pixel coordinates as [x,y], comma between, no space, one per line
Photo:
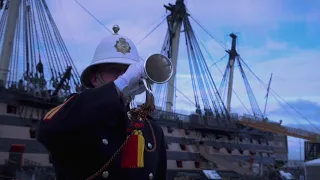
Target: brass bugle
[158,69]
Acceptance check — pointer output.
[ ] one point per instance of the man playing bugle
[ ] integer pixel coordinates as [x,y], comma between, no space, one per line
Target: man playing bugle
[92,135]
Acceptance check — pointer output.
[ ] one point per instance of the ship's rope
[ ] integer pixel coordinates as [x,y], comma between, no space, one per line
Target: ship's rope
[93,16]
[197,22]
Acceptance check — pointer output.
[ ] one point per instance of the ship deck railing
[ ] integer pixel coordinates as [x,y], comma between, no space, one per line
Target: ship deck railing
[29,89]
[215,122]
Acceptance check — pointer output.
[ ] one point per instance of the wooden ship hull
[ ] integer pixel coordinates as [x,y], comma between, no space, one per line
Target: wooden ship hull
[197,142]
[193,145]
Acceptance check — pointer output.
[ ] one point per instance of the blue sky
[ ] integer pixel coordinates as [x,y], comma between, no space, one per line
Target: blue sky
[279,37]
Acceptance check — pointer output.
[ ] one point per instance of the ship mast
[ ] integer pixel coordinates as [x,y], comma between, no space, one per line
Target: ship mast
[207,99]
[34,58]
[36,74]
[10,29]
[232,58]
[178,11]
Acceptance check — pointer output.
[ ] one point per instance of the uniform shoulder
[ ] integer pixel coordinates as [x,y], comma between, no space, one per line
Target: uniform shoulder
[70,96]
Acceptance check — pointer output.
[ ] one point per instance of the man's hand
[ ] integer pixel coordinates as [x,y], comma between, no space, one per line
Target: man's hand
[130,82]
[140,88]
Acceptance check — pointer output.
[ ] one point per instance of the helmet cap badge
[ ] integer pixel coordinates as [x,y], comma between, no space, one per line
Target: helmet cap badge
[122,46]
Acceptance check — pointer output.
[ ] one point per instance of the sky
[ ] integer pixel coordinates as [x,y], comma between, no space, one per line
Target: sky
[278,37]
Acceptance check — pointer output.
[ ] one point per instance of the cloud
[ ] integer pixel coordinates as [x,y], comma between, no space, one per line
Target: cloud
[294,72]
[294,79]
[243,13]
[75,21]
[294,68]
[82,33]
[272,45]
[247,14]
[308,109]
[289,76]
[297,70]
[254,19]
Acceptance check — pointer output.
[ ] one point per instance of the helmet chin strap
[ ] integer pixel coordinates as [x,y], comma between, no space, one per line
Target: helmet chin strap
[127,100]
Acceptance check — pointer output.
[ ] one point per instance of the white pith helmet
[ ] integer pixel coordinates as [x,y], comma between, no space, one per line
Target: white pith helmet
[113,49]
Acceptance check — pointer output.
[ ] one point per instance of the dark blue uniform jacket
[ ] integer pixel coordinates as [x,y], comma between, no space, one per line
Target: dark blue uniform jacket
[87,130]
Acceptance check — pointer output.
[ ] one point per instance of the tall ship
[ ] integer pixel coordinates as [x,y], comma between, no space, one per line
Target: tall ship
[37,73]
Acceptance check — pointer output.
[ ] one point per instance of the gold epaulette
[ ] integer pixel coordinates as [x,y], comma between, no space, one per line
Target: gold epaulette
[49,115]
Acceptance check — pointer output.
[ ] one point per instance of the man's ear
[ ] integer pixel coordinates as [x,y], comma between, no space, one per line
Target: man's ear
[94,80]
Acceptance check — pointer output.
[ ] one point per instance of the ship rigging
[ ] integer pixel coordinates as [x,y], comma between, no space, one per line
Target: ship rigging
[37,73]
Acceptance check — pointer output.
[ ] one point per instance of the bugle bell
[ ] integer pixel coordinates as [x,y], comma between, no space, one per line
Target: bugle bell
[158,69]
